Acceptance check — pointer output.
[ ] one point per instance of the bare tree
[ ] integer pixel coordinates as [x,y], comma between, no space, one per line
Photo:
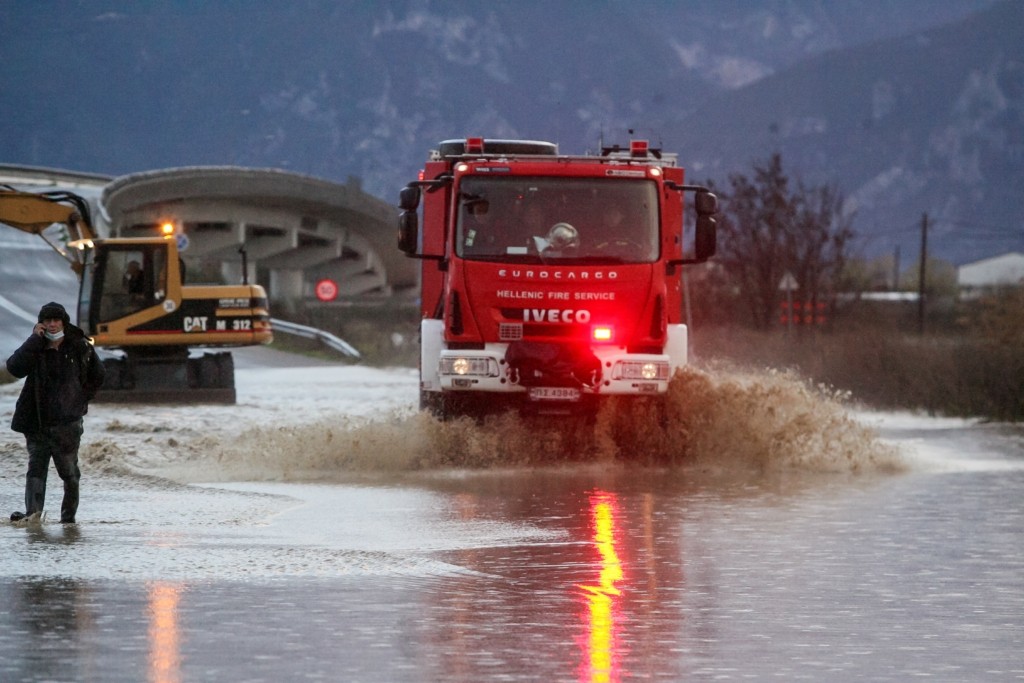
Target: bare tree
[769,228]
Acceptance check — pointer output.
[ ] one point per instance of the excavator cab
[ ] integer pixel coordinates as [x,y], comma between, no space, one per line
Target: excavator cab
[119,281]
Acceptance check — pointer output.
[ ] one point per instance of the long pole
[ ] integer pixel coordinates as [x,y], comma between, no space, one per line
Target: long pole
[921,279]
[896,269]
[245,265]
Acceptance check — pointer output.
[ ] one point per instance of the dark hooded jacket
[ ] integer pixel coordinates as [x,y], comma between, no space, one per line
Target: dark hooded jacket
[59,383]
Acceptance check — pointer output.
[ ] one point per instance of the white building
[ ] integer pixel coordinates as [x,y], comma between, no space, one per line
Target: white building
[1006,270]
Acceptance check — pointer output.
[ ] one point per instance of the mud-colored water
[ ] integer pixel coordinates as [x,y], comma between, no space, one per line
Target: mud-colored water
[711,423]
[752,528]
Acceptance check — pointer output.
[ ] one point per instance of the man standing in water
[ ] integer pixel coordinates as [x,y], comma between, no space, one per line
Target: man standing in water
[63,374]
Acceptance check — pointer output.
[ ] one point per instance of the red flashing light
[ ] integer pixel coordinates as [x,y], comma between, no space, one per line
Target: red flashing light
[474,145]
[638,148]
[602,333]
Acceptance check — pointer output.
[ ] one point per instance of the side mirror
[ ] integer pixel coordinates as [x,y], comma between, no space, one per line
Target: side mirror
[408,231]
[706,237]
[705,242]
[706,204]
[409,198]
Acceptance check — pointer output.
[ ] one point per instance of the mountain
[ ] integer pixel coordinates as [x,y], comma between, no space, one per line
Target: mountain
[862,94]
[928,123]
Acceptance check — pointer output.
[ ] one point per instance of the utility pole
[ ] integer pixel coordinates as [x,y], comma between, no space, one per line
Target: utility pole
[896,269]
[921,278]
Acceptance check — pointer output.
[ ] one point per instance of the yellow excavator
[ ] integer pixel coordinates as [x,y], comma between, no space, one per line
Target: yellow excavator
[133,300]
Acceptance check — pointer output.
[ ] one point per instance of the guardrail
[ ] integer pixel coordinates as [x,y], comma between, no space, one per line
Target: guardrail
[325,338]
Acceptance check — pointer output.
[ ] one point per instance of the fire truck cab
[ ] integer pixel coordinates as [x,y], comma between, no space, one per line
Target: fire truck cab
[549,281]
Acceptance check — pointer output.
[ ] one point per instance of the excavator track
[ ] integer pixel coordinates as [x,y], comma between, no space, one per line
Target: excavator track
[169,378]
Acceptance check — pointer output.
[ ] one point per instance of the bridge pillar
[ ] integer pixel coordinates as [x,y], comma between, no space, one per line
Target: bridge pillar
[286,286]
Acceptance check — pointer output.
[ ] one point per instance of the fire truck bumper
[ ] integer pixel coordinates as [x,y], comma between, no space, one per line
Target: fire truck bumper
[488,370]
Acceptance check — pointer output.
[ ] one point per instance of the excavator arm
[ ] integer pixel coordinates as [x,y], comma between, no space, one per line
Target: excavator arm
[33,213]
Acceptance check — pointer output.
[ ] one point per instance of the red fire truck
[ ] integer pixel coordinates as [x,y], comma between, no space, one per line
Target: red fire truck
[548,280]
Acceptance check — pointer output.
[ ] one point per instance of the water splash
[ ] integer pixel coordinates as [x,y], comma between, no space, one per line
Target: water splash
[768,421]
[714,421]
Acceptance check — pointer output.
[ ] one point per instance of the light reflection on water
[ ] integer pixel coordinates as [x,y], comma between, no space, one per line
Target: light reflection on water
[601,662]
[577,573]
[164,636]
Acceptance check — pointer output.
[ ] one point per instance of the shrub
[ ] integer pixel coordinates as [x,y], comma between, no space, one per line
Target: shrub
[954,375]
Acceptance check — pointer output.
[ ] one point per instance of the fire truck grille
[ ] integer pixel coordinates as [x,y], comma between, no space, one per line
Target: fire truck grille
[554,331]
[510,331]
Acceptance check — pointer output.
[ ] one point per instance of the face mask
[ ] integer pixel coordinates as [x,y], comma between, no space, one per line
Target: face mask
[52,336]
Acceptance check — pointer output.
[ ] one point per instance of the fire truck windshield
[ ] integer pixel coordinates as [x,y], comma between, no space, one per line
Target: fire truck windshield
[539,219]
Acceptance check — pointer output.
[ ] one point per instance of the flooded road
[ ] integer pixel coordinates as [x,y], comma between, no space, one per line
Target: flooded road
[317,566]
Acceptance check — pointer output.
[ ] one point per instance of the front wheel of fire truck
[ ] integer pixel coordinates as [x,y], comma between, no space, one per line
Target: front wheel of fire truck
[433,402]
[444,405]
[451,405]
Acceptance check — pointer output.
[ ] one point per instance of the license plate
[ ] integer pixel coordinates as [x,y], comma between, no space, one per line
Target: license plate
[554,394]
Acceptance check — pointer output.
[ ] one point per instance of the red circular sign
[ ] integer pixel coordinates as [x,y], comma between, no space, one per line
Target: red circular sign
[326,290]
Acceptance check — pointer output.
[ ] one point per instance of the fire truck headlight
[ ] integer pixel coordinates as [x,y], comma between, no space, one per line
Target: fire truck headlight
[635,369]
[469,366]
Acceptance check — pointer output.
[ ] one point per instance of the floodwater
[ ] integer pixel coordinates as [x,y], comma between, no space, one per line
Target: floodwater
[791,541]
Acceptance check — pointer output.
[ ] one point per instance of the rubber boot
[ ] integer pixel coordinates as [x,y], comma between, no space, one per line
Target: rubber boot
[69,506]
[35,495]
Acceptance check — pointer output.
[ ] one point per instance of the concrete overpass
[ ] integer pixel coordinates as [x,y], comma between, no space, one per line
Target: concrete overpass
[295,229]
[43,179]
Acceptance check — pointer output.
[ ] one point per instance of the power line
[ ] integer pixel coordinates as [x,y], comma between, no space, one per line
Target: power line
[981,236]
[991,226]
[889,232]
[999,233]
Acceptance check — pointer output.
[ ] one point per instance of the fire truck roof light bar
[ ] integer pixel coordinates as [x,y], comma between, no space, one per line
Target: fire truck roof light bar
[638,149]
[477,147]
